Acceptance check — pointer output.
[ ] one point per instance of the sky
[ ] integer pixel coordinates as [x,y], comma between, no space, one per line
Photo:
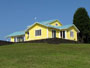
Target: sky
[16,15]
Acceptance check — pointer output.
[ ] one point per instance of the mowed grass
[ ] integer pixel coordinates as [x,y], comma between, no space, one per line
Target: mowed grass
[27,55]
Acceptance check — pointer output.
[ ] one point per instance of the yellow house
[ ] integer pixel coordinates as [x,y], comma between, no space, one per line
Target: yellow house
[44,30]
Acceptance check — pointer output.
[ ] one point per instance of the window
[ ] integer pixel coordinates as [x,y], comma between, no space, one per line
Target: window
[62,34]
[56,24]
[20,39]
[37,32]
[53,34]
[71,34]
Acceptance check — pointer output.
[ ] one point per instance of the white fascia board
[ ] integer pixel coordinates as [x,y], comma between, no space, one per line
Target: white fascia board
[76,28]
[34,24]
[71,26]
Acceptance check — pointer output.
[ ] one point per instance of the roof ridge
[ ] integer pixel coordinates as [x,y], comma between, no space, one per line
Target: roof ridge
[47,21]
[16,33]
[19,31]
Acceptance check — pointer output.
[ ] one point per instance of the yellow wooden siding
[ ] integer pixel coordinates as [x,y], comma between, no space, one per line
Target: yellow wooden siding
[56,22]
[57,33]
[47,32]
[75,34]
[50,33]
[12,39]
[32,33]
[26,36]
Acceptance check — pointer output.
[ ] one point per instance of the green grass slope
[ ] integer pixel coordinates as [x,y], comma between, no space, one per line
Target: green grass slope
[27,55]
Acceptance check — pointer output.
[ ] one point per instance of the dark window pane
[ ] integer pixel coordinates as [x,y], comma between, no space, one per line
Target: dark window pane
[63,34]
[37,32]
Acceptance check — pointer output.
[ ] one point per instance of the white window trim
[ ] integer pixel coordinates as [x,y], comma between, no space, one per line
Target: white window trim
[24,38]
[16,39]
[35,32]
[65,34]
[70,34]
[62,35]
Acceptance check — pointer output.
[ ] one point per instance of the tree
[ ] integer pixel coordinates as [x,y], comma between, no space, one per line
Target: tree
[81,20]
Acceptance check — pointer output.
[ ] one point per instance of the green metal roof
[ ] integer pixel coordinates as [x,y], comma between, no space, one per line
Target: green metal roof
[44,22]
[19,33]
[60,27]
[65,26]
[47,22]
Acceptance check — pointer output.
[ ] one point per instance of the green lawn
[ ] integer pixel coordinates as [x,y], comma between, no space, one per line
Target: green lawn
[45,56]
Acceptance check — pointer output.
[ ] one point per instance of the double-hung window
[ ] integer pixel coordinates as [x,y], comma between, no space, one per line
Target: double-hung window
[71,34]
[38,32]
